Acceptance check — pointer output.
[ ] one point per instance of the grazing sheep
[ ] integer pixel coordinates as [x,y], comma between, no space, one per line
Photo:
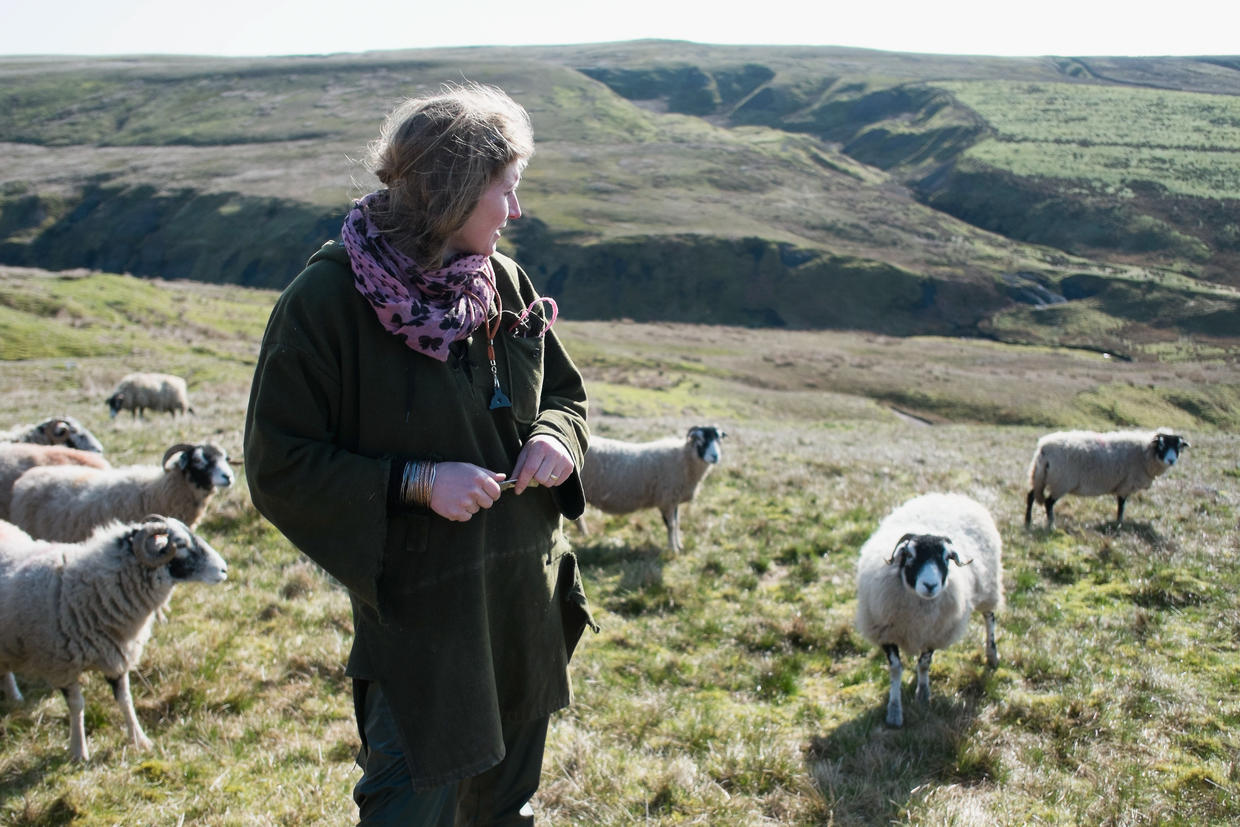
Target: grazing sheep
[1091,464]
[619,477]
[66,503]
[66,608]
[157,391]
[905,598]
[60,430]
[18,457]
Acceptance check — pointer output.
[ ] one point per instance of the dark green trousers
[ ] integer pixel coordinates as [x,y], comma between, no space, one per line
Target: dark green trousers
[385,795]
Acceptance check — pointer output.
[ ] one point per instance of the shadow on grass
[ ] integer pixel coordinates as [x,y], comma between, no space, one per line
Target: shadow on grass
[1144,531]
[640,588]
[24,772]
[869,773]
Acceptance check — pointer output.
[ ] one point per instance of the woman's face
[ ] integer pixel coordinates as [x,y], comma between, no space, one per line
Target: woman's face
[480,232]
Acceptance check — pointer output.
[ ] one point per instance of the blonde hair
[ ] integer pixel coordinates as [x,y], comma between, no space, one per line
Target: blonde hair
[436,156]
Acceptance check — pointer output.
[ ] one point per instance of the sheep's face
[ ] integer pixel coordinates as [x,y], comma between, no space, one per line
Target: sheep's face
[206,467]
[68,431]
[706,442]
[923,560]
[115,402]
[164,541]
[1168,447]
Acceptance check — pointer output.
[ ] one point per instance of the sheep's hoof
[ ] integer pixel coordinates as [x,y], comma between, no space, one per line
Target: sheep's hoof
[895,717]
[992,658]
[923,695]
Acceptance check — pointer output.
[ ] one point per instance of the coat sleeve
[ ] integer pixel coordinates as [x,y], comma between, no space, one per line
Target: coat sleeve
[330,502]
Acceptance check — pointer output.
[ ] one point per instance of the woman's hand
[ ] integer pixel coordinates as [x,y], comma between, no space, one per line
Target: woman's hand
[461,489]
[544,459]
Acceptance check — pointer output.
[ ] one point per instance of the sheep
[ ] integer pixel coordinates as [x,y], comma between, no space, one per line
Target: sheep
[60,430]
[66,503]
[1091,464]
[619,477]
[66,608]
[157,391]
[18,457]
[905,598]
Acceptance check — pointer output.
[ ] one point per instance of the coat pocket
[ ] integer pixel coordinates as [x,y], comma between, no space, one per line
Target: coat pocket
[574,605]
[402,563]
[525,376]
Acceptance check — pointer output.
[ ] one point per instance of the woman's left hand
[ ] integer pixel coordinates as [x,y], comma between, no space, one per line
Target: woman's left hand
[545,459]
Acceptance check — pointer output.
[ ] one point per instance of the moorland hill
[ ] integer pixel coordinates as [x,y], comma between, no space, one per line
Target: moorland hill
[1076,201]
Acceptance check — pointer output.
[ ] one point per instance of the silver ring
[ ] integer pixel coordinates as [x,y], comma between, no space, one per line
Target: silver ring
[555,476]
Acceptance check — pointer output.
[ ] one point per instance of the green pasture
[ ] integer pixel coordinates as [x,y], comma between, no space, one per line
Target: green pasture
[727,686]
[1111,139]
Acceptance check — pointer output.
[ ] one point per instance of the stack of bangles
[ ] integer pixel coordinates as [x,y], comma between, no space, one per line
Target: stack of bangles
[416,484]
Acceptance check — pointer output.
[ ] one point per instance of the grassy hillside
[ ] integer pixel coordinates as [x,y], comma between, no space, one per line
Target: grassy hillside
[727,685]
[1105,157]
[977,187]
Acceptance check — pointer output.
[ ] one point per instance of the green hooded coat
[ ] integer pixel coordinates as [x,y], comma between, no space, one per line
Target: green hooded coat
[466,626]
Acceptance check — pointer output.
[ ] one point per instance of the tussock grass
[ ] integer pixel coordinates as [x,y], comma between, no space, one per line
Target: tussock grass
[727,685]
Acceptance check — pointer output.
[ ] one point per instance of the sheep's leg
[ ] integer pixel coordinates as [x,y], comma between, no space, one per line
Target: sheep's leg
[1029,509]
[581,524]
[161,611]
[671,519]
[895,710]
[1119,513]
[1050,513]
[120,691]
[992,651]
[10,688]
[923,676]
[77,721]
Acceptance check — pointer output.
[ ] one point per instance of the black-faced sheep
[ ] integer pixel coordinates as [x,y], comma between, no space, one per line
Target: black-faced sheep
[157,391]
[1093,464]
[906,599]
[619,477]
[60,430]
[67,503]
[66,608]
[16,458]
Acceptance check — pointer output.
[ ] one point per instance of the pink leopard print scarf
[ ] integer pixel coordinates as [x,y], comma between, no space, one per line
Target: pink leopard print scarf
[427,309]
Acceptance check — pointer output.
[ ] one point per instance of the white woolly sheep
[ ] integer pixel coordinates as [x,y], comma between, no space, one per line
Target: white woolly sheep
[66,608]
[157,391]
[619,477]
[1092,464]
[905,598]
[18,457]
[60,430]
[67,503]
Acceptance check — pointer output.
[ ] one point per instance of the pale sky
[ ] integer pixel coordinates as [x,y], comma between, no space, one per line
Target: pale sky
[283,27]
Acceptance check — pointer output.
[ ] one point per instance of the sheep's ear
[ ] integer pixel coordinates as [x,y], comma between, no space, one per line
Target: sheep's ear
[903,551]
[952,556]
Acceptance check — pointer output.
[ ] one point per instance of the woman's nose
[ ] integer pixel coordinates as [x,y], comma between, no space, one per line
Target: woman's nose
[514,206]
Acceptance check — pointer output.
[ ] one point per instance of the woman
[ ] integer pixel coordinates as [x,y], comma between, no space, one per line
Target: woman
[406,373]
